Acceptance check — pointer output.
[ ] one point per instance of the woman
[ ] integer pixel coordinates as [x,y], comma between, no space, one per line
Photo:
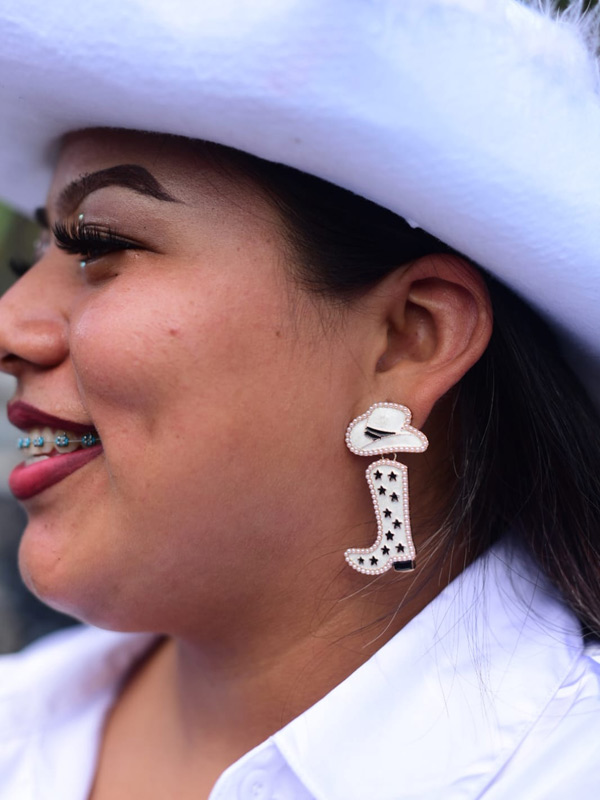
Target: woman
[203,328]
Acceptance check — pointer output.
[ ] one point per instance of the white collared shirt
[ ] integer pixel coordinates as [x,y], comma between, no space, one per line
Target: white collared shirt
[487,693]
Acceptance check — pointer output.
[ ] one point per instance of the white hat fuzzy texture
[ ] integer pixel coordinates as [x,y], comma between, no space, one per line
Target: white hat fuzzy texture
[477,120]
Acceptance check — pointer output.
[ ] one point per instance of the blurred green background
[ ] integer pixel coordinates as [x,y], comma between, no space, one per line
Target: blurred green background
[17,235]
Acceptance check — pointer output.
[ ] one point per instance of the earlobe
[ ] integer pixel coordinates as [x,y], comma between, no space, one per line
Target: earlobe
[438,321]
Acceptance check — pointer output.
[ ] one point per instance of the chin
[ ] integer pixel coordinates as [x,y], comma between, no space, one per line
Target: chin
[59,582]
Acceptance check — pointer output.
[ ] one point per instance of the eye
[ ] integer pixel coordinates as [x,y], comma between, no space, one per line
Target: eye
[90,242]
[19,266]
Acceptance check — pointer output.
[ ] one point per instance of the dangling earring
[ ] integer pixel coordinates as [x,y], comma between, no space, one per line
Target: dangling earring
[386,428]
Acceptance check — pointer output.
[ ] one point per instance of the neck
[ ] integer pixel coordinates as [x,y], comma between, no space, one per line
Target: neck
[218,701]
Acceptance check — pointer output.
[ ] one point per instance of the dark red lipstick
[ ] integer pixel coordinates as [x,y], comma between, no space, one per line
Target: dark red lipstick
[24,416]
[27,481]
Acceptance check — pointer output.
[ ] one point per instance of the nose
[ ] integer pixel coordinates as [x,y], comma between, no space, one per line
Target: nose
[33,323]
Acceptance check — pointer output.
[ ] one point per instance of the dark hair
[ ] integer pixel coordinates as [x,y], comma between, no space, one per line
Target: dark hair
[527,437]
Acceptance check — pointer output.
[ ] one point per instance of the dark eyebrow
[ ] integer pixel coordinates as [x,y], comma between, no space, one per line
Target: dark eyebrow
[131,176]
[40,215]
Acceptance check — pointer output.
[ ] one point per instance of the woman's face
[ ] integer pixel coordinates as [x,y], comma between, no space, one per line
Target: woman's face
[219,394]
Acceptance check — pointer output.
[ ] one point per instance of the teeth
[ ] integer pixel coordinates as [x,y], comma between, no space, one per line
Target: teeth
[37,435]
[43,441]
[64,442]
[35,460]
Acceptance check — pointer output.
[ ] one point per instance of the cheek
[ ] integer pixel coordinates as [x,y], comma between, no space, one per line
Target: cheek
[122,343]
[220,417]
[137,350]
[187,376]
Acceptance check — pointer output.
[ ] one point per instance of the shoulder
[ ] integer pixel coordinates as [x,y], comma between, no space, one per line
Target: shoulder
[53,648]
[492,677]
[68,649]
[54,696]
[559,755]
[61,671]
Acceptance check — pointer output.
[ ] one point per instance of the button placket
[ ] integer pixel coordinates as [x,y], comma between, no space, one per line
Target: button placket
[256,785]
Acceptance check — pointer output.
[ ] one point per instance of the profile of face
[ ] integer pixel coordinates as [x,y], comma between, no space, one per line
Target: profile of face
[219,392]
[165,318]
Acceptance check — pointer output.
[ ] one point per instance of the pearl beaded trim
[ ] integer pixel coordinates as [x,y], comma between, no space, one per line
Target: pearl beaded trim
[389,425]
[388,482]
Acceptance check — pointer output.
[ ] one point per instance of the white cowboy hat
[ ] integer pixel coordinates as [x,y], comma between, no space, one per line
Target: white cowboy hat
[477,120]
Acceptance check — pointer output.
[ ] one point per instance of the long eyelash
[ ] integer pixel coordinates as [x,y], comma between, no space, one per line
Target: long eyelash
[78,239]
[19,266]
[88,241]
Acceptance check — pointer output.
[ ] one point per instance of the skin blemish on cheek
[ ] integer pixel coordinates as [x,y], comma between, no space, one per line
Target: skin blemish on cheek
[174,331]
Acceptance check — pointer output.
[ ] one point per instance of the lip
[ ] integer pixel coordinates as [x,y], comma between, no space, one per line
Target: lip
[24,416]
[27,481]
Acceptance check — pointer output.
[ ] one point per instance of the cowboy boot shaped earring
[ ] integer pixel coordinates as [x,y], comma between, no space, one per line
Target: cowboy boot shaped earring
[386,428]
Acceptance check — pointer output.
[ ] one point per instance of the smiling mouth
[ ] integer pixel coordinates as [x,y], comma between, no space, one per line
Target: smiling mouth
[39,472]
[52,449]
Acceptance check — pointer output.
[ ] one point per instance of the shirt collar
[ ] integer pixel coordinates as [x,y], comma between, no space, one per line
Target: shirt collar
[58,675]
[446,702]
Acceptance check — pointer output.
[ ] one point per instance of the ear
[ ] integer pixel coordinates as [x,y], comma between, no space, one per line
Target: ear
[434,321]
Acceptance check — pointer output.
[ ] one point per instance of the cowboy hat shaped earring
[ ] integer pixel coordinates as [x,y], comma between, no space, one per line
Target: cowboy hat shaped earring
[385,428]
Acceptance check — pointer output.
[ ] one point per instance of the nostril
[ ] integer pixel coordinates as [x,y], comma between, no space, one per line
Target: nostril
[35,339]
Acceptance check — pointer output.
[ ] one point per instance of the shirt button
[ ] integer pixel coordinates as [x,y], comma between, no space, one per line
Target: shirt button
[255,786]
